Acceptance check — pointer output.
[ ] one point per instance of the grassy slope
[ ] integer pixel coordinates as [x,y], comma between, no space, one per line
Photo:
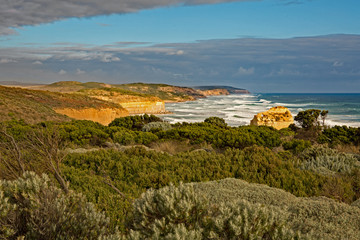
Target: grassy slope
[70,86]
[95,88]
[34,106]
[163,91]
[121,95]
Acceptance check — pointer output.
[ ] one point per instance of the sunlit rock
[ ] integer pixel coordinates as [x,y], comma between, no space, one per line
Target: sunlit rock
[277,117]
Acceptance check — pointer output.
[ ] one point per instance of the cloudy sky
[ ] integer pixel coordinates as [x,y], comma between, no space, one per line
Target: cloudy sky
[260,45]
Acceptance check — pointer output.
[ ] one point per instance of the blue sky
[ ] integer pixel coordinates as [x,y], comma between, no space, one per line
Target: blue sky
[43,43]
[260,19]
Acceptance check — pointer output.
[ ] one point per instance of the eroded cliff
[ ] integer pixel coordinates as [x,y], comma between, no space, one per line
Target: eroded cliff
[134,104]
[277,117]
[100,115]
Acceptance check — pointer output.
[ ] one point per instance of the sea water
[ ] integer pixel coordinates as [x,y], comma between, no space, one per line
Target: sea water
[239,109]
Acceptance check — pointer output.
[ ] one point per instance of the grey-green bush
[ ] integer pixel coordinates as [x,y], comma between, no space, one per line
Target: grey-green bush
[164,126]
[356,203]
[179,213]
[33,208]
[328,161]
[317,217]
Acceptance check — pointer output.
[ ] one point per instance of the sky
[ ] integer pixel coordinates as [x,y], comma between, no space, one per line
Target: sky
[260,45]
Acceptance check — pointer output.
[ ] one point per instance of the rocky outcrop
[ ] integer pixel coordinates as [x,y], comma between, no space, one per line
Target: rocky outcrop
[100,115]
[277,117]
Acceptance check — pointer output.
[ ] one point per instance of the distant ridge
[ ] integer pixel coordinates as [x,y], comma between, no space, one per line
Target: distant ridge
[228,88]
[16,83]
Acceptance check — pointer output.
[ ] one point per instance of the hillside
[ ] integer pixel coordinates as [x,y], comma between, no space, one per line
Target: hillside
[166,92]
[70,86]
[35,106]
[16,83]
[230,89]
[95,101]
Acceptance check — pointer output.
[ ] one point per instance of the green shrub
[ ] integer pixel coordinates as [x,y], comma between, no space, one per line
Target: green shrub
[137,169]
[287,132]
[134,122]
[145,138]
[221,137]
[219,122]
[84,132]
[310,118]
[297,146]
[340,135]
[127,137]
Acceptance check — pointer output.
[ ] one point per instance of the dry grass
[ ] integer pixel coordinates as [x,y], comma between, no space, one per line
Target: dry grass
[348,148]
[171,146]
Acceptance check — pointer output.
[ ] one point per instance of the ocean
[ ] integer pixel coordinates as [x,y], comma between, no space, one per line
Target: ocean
[239,109]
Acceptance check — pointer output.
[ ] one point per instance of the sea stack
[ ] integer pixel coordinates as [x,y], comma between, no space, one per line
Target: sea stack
[277,117]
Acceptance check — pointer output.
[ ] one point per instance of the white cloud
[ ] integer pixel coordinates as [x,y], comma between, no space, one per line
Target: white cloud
[106,57]
[285,72]
[245,71]
[79,71]
[179,52]
[62,72]
[338,64]
[7,60]
[37,63]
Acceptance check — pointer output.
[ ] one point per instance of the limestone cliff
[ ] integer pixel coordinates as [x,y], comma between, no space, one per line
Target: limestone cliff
[149,107]
[134,104]
[100,115]
[277,117]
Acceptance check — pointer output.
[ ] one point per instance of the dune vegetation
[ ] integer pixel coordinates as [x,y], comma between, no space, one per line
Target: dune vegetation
[142,178]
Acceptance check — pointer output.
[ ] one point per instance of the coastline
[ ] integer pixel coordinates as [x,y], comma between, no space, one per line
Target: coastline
[239,109]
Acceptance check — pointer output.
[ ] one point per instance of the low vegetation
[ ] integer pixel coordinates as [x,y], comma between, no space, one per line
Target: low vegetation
[141,178]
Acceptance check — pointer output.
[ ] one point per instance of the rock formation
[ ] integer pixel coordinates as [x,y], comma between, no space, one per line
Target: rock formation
[277,117]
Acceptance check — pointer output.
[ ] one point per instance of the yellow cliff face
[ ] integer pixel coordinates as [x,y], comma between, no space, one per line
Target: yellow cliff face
[277,117]
[102,115]
[133,104]
[149,107]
